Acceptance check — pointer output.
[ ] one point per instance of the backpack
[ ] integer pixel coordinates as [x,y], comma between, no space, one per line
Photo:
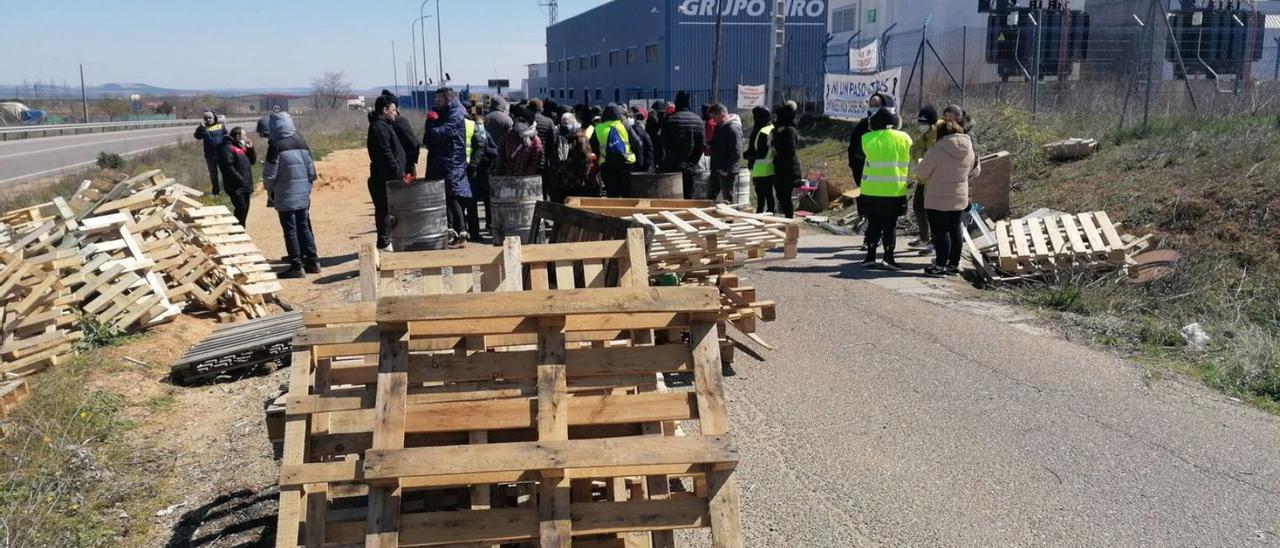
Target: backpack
[615,145]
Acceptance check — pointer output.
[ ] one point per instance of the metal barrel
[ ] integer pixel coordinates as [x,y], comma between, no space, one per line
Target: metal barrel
[512,200]
[657,185]
[417,209]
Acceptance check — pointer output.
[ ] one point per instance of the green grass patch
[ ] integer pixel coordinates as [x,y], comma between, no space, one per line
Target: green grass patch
[68,477]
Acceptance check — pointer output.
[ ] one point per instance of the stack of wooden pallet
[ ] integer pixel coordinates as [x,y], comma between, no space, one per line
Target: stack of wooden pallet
[120,253]
[1039,244]
[490,418]
[698,244]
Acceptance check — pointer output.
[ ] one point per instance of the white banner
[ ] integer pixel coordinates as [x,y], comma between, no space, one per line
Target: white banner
[866,59]
[845,95]
[750,97]
[640,103]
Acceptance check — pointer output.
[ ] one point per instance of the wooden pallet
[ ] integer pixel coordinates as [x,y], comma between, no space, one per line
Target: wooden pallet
[626,207]
[222,238]
[1043,244]
[416,431]
[614,263]
[12,394]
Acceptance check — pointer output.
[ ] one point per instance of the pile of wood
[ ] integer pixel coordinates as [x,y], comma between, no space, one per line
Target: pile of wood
[491,418]
[1039,244]
[695,243]
[119,256]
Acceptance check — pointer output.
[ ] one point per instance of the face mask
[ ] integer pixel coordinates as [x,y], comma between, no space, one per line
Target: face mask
[924,127]
[872,111]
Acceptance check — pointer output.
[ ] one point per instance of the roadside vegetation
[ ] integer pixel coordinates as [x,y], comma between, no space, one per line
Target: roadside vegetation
[72,471]
[326,131]
[1208,188]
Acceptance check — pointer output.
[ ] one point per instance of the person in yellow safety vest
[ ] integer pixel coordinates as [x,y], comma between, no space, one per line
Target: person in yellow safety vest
[759,157]
[614,146]
[884,184]
[471,135]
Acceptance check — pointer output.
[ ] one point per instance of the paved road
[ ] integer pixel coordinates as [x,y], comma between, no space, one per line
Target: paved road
[895,414]
[27,159]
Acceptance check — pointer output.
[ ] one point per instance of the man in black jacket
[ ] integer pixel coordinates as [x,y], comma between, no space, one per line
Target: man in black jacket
[683,141]
[726,150]
[409,141]
[386,163]
[858,160]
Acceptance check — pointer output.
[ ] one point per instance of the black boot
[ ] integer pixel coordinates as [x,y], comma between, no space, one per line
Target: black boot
[311,267]
[871,256]
[889,262]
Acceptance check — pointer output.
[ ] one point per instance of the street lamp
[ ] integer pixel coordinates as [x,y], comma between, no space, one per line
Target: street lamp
[423,57]
[439,42]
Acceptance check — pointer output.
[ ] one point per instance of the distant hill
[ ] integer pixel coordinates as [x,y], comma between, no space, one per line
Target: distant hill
[125,89]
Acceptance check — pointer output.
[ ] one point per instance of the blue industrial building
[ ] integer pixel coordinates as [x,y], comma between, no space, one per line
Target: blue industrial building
[646,49]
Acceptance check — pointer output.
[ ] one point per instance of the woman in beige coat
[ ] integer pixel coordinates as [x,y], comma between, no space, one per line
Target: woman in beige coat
[948,167]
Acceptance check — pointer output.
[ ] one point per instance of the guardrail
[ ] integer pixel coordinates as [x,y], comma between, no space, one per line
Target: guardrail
[35,132]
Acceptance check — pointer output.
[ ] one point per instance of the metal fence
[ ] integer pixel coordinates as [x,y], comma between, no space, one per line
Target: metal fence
[1128,73]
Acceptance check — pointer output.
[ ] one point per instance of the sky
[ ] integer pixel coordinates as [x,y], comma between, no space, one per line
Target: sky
[187,44]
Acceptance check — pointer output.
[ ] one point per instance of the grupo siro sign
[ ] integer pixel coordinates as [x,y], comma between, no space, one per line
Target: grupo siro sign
[751,8]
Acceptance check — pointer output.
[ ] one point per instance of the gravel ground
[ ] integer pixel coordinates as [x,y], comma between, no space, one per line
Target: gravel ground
[895,411]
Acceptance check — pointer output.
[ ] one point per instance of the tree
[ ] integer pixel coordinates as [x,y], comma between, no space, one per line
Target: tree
[165,107]
[330,90]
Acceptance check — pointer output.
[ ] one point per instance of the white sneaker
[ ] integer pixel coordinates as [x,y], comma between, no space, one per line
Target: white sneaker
[386,249]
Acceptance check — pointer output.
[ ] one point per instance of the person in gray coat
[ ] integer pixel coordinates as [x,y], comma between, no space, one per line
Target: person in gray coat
[287,176]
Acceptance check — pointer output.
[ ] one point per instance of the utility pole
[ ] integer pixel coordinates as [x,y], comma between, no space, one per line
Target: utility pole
[439,44]
[715,56]
[395,67]
[777,40]
[84,98]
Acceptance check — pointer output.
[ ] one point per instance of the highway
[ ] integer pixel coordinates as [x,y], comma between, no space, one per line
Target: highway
[30,159]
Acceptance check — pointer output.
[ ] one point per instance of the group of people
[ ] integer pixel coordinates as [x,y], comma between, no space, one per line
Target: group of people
[885,161]
[287,173]
[578,151]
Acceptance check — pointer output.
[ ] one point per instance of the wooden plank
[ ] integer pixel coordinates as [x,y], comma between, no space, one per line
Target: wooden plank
[633,271]
[1096,245]
[536,455]
[369,266]
[1073,235]
[531,304]
[726,528]
[1036,228]
[383,520]
[291,511]
[1018,231]
[1055,235]
[1113,240]
[553,425]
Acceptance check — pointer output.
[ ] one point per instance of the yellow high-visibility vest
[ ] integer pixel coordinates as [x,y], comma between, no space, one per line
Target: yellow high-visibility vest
[764,166]
[602,138]
[888,160]
[471,132]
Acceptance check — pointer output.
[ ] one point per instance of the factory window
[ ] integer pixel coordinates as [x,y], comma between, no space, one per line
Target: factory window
[595,61]
[571,94]
[617,95]
[582,63]
[631,56]
[598,94]
[651,53]
[615,58]
[562,65]
[844,19]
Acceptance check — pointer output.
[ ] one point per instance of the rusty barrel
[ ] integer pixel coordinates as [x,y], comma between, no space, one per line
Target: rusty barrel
[667,186]
[512,200]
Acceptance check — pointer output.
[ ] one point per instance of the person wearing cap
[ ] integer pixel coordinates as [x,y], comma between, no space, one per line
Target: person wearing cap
[928,124]
[884,183]
[211,132]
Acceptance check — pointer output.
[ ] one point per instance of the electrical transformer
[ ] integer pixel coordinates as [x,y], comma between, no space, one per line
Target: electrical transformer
[1214,38]
[1014,32]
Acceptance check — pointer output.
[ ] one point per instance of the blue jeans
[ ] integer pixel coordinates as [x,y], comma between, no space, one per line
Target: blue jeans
[298,239]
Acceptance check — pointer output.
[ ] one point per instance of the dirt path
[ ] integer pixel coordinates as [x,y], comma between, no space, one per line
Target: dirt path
[210,442]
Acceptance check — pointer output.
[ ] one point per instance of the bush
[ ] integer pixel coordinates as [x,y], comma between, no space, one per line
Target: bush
[110,160]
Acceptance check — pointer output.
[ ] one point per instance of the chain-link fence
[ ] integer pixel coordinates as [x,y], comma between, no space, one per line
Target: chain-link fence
[1127,73]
